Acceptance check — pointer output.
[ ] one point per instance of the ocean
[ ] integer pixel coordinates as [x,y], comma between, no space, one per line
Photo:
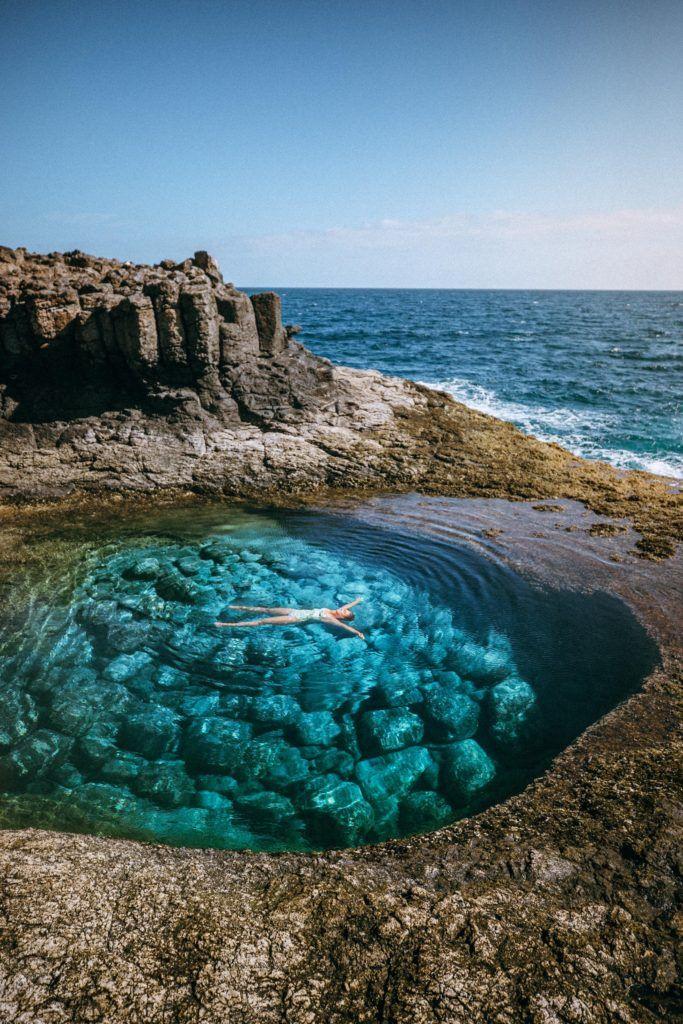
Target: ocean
[598,372]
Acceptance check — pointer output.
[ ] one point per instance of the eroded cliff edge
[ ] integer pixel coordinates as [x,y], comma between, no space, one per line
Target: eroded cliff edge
[115,376]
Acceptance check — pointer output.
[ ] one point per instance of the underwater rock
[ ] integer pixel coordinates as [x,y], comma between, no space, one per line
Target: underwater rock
[18,714]
[274,762]
[106,801]
[168,678]
[275,709]
[216,744]
[389,729]
[424,810]
[144,569]
[511,704]
[197,706]
[451,715]
[338,810]
[173,586]
[333,760]
[96,750]
[393,774]
[223,784]
[399,691]
[126,666]
[122,767]
[151,732]
[484,665]
[212,800]
[76,708]
[126,636]
[315,727]
[465,769]
[33,756]
[165,782]
[264,806]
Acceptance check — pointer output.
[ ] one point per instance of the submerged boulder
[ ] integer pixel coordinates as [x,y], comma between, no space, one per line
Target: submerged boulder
[18,714]
[451,715]
[484,665]
[216,744]
[127,666]
[151,731]
[337,810]
[465,769]
[274,709]
[511,707]
[165,782]
[265,806]
[274,762]
[145,569]
[389,729]
[173,586]
[122,767]
[424,810]
[393,774]
[33,756]
[315,728]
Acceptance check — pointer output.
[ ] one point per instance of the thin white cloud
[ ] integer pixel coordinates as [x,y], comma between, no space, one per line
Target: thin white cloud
[627,248]
[88,219]
[499,224]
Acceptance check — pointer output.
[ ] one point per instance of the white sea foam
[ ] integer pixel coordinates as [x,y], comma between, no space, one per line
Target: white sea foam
[571,428]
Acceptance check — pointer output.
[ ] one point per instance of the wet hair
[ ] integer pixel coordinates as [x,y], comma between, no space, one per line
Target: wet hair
[350,614]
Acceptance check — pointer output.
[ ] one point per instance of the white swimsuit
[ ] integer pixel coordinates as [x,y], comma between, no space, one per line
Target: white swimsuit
[309,614]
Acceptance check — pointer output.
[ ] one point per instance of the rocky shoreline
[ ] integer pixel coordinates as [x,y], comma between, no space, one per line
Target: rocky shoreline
[559,905]
[117,377]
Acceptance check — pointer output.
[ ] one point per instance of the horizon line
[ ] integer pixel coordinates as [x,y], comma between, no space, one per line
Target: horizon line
[450,288]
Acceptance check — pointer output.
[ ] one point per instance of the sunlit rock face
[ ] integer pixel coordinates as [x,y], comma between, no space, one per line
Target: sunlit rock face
[128,712]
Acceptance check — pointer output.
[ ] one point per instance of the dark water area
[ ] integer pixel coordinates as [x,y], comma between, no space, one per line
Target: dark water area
[599,372]
[126,712]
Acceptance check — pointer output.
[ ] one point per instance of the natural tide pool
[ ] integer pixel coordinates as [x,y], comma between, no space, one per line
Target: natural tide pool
[126,712]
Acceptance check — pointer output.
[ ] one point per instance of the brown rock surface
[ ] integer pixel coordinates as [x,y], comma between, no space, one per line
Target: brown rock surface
[126,377]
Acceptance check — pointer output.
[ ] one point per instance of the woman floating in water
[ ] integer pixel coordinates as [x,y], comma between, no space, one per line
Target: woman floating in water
[292,616]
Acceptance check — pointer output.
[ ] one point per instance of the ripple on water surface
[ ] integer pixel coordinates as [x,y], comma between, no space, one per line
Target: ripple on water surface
[126,712]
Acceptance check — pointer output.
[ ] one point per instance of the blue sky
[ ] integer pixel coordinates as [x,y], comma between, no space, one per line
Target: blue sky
[428,143]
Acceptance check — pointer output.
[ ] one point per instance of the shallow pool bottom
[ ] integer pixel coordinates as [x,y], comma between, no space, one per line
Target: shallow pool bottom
[127,712]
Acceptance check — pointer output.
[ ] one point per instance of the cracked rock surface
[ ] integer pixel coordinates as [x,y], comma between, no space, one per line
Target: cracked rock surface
[138,377]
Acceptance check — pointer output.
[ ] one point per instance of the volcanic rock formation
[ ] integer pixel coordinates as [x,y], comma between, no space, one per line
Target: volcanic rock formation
[133,377]
[118,375]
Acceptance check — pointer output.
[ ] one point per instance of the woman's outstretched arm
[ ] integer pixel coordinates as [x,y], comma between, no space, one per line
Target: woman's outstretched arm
[343,625]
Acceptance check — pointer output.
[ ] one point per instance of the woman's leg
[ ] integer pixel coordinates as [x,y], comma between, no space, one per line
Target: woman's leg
[259,608]
[272,620]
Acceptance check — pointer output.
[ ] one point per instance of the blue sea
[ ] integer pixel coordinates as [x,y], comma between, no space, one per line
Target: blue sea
[598,372]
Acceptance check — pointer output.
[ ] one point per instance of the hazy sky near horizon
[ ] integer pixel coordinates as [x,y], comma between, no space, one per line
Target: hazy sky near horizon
[322,142]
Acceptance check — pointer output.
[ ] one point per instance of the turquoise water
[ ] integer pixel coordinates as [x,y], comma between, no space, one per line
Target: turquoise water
[126,712]
[599,372]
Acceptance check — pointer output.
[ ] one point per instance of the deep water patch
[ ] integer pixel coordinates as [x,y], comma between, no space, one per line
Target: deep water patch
[126,712]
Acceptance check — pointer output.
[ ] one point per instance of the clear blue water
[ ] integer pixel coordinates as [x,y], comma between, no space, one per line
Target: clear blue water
[599,372]
[126,712]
